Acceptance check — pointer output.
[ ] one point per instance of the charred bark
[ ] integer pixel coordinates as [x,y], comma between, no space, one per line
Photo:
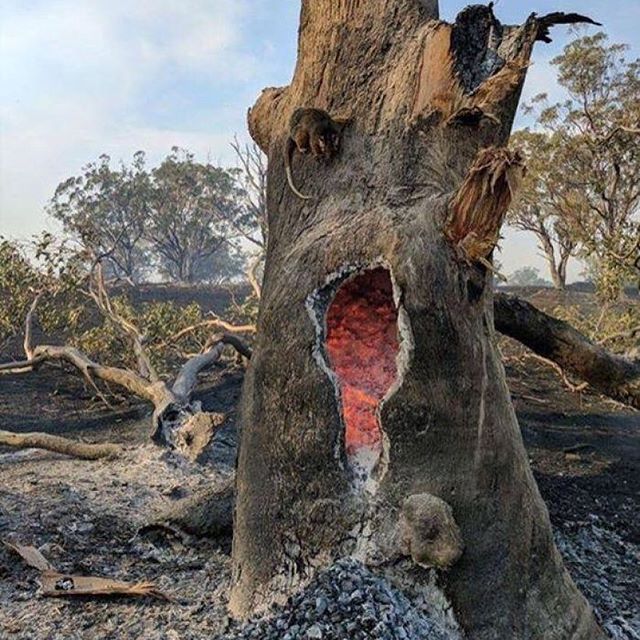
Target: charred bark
[614,376]
[391,236]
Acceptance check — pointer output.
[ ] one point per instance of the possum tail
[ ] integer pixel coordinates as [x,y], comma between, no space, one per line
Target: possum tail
[289,148]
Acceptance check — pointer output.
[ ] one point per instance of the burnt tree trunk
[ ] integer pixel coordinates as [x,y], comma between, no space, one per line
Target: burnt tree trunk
[375,376]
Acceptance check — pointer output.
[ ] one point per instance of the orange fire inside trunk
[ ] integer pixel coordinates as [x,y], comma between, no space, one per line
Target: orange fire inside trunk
[362,343]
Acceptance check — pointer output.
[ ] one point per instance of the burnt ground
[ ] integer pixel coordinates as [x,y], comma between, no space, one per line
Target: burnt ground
[86,516]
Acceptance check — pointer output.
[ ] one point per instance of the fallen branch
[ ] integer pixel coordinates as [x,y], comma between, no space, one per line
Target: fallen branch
[59,445]
[21,366]
[614,376]
[574,388]
[214,323]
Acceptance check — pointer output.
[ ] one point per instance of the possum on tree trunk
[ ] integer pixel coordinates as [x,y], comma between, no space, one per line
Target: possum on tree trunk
[311,130]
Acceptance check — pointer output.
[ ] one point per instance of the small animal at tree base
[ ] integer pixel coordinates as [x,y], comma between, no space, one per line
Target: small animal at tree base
[311,130]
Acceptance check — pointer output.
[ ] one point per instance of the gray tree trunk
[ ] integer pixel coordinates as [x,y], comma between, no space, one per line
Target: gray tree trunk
[376,294]
[557,270]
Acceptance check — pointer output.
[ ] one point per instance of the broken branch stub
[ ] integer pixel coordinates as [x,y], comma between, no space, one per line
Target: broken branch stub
[558,17]
[479,207]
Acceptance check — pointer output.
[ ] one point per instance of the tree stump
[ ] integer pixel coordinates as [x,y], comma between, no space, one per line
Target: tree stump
[375,374]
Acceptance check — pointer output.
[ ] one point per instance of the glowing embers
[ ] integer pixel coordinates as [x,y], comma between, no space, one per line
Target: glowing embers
[362,343]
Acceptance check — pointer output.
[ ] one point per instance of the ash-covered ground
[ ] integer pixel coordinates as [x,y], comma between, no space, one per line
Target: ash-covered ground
[86,519]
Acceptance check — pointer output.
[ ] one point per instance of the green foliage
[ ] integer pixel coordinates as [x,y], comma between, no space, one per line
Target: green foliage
[196,211]
[106,210]
[613,326]
[18,284]
[584,159]
[53,274]
[182,218]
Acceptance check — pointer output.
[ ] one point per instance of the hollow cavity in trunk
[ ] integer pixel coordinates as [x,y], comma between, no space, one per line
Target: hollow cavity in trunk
[362,344]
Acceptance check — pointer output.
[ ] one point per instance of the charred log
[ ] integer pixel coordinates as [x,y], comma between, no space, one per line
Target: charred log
[614,376]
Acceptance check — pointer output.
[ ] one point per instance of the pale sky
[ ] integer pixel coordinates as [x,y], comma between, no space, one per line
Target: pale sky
[82,78]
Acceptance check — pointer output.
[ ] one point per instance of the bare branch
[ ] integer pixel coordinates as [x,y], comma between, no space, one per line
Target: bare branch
[252,277]
[574,388]
[214,323]
[188,376]
[22,366]
[98,292]
[121,377]
[558,17]
[28,328]
[254,169]
[59,445]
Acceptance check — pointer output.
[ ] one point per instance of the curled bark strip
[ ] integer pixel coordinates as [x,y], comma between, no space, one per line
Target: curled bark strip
[32,556]
[56,584]
[555,340]
[59,445]
[479,207]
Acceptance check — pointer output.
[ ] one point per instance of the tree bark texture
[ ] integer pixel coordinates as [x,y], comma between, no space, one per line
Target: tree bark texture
[418,190]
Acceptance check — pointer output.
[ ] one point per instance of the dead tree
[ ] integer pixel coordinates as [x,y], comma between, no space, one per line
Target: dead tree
[375,384]
[178,419]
